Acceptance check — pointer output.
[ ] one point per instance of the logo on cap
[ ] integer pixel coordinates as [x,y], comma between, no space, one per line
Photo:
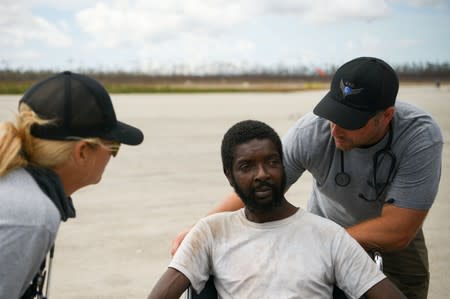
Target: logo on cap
[347,89]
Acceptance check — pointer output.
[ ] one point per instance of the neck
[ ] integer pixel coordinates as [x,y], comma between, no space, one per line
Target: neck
[378,137]
[386,130]
[285,210]
[68,180]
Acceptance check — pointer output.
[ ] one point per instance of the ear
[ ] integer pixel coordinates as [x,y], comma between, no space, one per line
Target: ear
[389,114]
[81,152]
[229,177]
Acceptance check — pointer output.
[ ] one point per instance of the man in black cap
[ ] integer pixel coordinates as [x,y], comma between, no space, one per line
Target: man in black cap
[376,165]
[65,134]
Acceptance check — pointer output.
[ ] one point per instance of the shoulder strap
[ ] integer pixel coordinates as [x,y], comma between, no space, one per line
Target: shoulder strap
[42,278]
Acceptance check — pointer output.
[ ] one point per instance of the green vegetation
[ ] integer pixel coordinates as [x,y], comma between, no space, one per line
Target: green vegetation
[14,87]
[21,87]
[260,80]
[208,88]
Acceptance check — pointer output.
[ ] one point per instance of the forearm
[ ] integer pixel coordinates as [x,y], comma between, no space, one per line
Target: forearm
[231,203]
[170,286]
[374,235]
[385,289]
[393,230]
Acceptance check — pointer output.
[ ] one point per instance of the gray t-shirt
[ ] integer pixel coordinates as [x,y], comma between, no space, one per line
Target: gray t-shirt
[416,143]
[29,222]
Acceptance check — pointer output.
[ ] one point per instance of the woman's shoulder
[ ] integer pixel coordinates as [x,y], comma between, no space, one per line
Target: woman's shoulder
[24,203]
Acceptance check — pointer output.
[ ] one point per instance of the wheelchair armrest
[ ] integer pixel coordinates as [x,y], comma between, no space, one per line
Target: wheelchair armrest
[208,292]
[378,259]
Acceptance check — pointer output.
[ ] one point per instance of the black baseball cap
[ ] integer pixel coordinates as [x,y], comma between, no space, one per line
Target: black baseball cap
[359,89]
[80,107]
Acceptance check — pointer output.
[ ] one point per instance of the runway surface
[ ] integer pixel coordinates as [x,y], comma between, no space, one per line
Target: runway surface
[118,245]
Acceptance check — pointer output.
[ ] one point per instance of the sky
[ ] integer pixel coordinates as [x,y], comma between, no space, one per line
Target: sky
[201,36]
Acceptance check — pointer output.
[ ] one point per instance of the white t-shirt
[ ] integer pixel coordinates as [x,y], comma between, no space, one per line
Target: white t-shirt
[301,256]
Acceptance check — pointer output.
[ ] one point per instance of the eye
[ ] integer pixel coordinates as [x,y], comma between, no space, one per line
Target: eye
[274,162]
[245,166]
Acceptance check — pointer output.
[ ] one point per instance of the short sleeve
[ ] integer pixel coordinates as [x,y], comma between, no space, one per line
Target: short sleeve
[193,258]
[292,152]
[355,272]
[416,182]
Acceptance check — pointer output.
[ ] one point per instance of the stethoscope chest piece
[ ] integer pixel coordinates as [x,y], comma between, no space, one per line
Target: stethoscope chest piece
[342,179]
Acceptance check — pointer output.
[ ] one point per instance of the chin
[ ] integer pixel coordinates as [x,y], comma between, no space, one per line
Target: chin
[95,181]
[344,147]
[262,205]
[268,201]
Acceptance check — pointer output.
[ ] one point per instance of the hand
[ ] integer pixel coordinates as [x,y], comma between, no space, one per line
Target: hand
[178,239]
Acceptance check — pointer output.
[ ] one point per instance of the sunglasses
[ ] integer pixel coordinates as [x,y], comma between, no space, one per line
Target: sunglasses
[112,146]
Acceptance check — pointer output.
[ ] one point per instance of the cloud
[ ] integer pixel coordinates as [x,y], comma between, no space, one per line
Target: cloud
[120,22]
[67,5]
[427,3]
[329,11]
[115,23]
[323,11]
[19,26]
[371,43]
[407,43]
[193,32]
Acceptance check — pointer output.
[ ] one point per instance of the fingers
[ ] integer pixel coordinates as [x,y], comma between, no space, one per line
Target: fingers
[177,241]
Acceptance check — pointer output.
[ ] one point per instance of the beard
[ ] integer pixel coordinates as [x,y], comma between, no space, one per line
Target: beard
[255,205]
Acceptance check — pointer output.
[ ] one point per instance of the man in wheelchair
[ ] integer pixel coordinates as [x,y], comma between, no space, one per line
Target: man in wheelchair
[270,248]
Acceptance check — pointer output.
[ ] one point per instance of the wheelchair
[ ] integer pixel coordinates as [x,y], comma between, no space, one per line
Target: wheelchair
[210,292]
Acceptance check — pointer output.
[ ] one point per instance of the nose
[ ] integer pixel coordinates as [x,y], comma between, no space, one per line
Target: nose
[261,173]
[335,130]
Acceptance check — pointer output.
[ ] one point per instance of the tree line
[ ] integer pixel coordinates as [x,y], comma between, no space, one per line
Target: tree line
[407,72]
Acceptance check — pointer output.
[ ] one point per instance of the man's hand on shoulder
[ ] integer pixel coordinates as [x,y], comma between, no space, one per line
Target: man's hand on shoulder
[178,239]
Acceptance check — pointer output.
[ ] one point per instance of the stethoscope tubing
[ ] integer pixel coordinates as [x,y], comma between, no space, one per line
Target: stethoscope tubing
[343,179]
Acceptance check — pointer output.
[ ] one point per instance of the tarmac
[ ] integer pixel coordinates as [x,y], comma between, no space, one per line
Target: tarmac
[118,245]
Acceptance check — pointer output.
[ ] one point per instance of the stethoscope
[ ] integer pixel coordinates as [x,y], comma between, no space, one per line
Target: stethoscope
[342,178]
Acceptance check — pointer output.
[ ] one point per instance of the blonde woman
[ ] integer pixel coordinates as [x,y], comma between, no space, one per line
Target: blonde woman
[64,136]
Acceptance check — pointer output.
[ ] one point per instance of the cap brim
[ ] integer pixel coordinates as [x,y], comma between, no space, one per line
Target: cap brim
[344,116]
[125,134]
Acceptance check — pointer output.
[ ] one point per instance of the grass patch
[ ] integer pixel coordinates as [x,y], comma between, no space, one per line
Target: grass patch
[7,87]
[14,87]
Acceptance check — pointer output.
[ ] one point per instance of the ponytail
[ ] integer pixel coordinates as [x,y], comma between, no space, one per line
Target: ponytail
[18,148]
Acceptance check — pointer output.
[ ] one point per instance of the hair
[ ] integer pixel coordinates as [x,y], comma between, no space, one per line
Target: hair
[18,148]
[243,132]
